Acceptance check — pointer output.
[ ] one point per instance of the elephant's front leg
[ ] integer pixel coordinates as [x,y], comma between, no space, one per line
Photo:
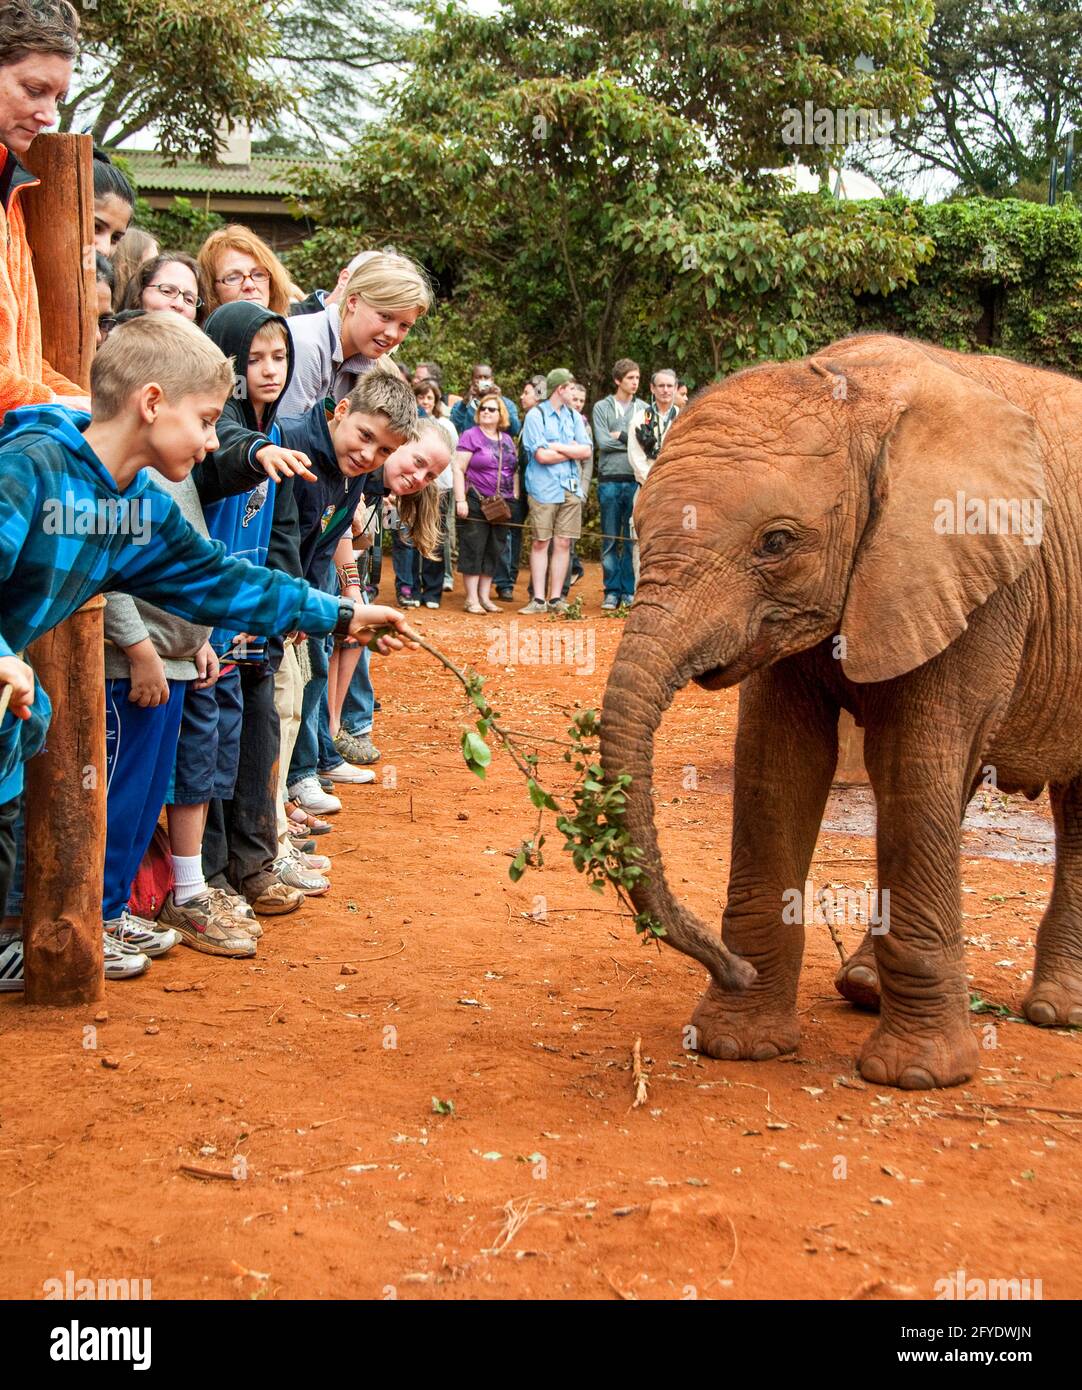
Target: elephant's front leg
[786,750]
[923,1037]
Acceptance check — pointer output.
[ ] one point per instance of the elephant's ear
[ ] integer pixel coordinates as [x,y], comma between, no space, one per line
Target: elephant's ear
[936,544]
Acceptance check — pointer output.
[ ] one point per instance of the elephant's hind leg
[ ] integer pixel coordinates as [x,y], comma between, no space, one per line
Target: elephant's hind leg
[858,979]
[1055,997]
[786,748]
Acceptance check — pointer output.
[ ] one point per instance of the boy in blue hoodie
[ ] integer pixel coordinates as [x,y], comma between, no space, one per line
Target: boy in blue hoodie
[80,515]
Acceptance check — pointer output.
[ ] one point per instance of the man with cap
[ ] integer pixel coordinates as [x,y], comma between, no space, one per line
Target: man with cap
[554,440]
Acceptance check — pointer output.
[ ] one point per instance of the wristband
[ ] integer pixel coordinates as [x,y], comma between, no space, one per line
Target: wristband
[345,618]
[349,574]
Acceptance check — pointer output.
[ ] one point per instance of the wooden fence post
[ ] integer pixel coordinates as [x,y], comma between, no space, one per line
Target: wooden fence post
[65,784]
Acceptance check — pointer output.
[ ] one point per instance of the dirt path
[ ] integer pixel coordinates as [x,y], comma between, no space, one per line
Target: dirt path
[789,1179]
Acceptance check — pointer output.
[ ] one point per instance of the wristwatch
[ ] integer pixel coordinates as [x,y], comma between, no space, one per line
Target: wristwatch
[345,618]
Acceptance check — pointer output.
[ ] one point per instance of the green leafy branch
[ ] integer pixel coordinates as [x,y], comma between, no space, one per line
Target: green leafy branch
[593,827]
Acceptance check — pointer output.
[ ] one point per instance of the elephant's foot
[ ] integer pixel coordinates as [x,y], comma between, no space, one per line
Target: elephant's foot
[735,1028]
[1055,999]
[858,978]
[919,1062]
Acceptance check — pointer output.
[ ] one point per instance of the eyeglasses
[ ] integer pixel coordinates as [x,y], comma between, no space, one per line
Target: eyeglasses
[238,277]
[106,324]
[172,291]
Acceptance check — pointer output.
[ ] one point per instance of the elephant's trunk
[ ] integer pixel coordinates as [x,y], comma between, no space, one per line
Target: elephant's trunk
[639,690]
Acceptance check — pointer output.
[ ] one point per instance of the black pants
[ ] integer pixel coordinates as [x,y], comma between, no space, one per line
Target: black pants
[9,814]
[240,843]
[480,541]
[507,573]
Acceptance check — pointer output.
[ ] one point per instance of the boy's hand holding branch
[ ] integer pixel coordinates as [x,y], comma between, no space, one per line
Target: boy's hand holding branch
[369,617]
[17,686]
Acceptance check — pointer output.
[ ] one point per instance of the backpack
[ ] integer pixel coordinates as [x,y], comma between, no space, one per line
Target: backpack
[154,878]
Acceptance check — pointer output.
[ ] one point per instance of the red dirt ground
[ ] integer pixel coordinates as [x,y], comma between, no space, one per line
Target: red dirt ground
[726,1184]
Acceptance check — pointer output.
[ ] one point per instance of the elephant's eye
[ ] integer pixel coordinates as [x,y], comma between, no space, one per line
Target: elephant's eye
[775,542]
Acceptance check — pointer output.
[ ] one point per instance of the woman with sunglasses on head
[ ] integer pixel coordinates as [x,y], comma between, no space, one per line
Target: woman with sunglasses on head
[171,281]
[236,264]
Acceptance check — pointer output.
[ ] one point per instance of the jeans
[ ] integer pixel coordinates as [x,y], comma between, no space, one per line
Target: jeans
[360,699]
[617,501]
[507,571]
[240,843]
[405,559]
[310,746]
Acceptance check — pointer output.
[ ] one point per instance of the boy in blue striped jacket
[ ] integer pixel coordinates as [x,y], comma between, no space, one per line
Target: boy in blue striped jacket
[80,514]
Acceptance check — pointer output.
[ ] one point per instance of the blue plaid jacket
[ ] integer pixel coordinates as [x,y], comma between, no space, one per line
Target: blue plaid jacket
[67,533]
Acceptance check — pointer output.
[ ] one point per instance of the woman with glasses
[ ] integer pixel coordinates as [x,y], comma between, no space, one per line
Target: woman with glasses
[236,264]
[171,281]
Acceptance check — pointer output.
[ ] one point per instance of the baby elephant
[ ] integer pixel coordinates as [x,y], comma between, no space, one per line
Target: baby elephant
[893,530]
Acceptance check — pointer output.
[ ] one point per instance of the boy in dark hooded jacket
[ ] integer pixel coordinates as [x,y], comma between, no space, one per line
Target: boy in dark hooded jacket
[241,853]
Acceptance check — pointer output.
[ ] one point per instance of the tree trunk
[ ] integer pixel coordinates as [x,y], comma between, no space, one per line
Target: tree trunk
[65,784]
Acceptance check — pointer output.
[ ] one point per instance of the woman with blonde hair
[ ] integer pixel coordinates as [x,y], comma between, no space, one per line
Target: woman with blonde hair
[134,249]
[237,264]
[384,297]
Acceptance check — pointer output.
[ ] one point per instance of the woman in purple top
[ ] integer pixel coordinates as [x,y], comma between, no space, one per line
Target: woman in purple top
[484,467]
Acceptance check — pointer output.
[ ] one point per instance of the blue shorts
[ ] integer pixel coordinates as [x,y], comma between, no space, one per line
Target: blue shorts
[208,751]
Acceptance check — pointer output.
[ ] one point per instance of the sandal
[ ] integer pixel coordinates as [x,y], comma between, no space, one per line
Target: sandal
[489,606]
[474,608]
[306,821]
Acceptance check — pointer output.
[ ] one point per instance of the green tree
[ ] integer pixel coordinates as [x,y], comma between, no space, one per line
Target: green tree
[181,66]
[574,154]
[1006,86]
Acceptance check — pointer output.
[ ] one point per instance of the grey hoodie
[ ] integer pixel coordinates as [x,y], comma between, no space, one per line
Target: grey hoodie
[129,620]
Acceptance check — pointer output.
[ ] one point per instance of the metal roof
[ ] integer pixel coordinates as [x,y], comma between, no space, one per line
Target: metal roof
[263,175]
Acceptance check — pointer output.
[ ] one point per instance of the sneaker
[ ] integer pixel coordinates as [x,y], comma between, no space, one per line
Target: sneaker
[557,605]
[448,585]
[122,963]
[300,839]
[575,579]
[610,604]
[319,863]
[325,782]
[205,925]
[535,605]
[310,796]
[233,903]
[505,595]
[356,748]
[11,965]
[277,900]
[346,772]
[311,884]
[134,934]
[431,603]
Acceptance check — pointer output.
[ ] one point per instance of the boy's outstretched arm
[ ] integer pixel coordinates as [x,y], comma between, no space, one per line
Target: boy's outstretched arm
[243,459]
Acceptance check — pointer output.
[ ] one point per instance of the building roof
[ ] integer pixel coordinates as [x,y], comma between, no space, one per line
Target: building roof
[264,175]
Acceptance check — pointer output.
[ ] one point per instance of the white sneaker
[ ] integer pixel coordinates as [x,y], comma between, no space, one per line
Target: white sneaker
[448,585]
[122,962]
[317,862]
[11,965]
[310,883]
[132,934]
[309,795]
[346,772]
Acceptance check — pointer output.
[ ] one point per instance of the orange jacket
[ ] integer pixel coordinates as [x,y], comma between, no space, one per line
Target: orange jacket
[25,378]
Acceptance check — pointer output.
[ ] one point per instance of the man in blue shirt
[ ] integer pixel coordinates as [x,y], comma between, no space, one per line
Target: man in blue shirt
[554,440]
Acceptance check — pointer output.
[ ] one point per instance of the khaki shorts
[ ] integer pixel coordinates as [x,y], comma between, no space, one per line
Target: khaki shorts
[550,519]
